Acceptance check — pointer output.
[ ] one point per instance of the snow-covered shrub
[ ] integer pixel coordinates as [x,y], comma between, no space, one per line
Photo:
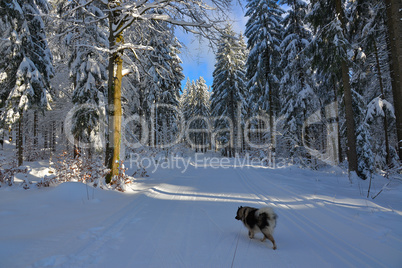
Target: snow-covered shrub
[365,154]
[8,171]
[141,171]
[120,181]
[80,169]
[33,153]
[47,181]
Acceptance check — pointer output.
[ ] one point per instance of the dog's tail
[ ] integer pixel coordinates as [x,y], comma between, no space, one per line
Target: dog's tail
[267,214]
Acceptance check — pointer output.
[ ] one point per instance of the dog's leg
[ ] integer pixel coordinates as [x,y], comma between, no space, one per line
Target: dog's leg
[250,234]
[270,238]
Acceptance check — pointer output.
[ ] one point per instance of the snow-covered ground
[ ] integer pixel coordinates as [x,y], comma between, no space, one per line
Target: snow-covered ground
[187,219]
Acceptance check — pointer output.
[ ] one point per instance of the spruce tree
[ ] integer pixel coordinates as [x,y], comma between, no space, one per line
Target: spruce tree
[263,30]
[394,41]
[201,114]
[186,99]
[228,89]
[88,66]
[195,105]
[154,90]
[371,75]
[331,47]
[296,87]
[25,62]
[163,80]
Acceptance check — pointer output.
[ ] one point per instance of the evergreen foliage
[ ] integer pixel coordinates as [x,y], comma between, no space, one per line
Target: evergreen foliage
[333,60]
[25,58]
[88,66]
[228,98]
[263,30]
[195,105]
[297,84]
[155,89]
[25,62]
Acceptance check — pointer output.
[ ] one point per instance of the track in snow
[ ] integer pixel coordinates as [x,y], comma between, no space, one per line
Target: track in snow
[187,220]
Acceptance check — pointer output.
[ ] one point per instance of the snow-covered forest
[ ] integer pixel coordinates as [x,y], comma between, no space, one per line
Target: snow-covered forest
[94,91]
[307,81]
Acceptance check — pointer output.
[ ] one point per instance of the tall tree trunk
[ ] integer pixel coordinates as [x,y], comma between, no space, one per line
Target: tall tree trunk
[350,122]
[35,130]
[53,136]
[394,40]
[20,148]
[233,136]
[340,158]
[45,137]
[385,121]
[115,69]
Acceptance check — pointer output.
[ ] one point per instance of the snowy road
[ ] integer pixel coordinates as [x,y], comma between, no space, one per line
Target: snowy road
[175,219]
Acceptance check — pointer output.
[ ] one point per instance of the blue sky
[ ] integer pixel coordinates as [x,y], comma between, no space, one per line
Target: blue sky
[198,58]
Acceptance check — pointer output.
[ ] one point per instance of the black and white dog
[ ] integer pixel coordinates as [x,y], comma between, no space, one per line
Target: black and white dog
[258,220]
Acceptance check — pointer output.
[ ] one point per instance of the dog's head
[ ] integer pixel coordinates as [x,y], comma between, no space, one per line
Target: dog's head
[239,213]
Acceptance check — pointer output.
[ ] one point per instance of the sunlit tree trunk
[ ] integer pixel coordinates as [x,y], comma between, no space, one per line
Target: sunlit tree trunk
[115,70]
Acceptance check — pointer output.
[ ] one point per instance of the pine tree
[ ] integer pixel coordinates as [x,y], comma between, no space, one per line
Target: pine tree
[171,93]
[25,62]
[371,76]
[195,107]
[331,48]
[228,89]
[365,164]
[153,91]
[162,83]
[394,40]
[202,112]
[296,87]
[263,30]
[186,99]
[87,66]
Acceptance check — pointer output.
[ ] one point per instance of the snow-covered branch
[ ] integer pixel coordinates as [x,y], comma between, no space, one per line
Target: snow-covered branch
[117,49]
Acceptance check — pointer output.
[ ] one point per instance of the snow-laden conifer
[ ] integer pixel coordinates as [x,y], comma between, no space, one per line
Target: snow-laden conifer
[195,105]
[228,98]
[88,65]
[263,30]
[296,86]
[154,88]
[25,61]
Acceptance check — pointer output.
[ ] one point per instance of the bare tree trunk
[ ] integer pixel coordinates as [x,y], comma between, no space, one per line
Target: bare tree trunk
[394,41]
[35,130]
[45,137]
[53,141]
[115,69]
[340,158]
[233,135]
[349,116]
[20,148]
[271,120]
